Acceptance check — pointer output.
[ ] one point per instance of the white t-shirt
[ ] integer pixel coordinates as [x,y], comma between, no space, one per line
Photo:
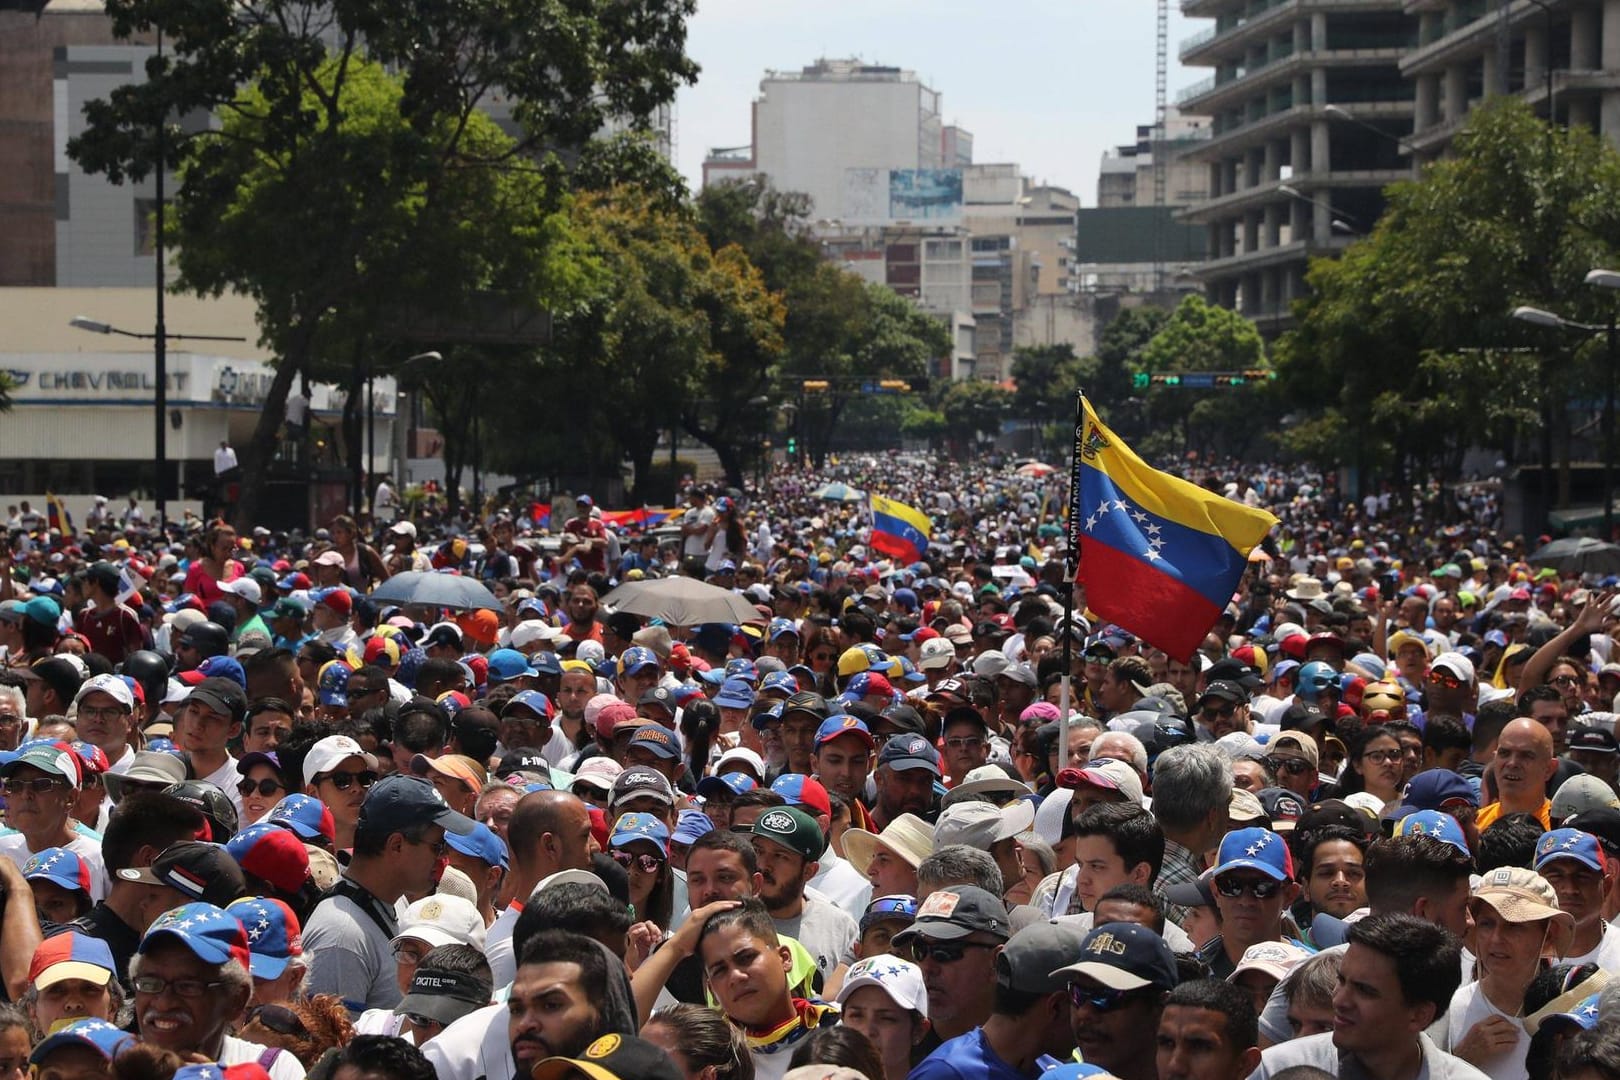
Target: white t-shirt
[86,845]
[842,883]
[1469,1006]
[383,1022]
[241,1052]
[696,544]
[473,1048]
[225,778]
[1607,953]
[498,946]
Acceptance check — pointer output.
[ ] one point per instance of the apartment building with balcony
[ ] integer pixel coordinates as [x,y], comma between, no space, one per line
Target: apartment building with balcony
[1561,56]
[1307,107]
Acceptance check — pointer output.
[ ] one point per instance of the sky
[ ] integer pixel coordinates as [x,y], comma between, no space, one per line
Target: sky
[1049,84]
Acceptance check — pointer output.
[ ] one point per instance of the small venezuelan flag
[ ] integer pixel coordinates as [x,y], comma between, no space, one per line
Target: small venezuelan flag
[57,516]
[1158,555]
[899,531]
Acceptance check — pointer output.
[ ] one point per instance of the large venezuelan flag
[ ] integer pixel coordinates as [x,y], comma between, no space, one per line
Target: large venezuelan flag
[899,531]
[1158,555]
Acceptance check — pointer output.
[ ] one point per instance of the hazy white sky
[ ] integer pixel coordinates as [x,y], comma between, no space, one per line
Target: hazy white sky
[1049,84]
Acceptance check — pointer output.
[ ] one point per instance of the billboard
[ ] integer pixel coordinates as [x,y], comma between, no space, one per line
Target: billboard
[885,196]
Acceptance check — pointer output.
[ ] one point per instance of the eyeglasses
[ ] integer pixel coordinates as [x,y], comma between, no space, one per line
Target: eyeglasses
[649,864]
[343,781]
[264,787]
[278,1018]
[409,955]
[943,952]
[38,786]
[1259,888]
[9,719]
[965,742]
[421,1022]
[362,691]
[111,712]
[1564,680]
[1293,766]
[1101,1000]
[1383,757]
[441,847]
[1211,714]
[186,988]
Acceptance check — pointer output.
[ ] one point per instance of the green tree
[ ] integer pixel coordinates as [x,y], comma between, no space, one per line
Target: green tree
[332,216]
[1198,336]
[971,408]
[1408,340]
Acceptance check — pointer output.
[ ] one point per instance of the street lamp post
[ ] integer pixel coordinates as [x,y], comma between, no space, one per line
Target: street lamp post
[160,337]
[1607,279]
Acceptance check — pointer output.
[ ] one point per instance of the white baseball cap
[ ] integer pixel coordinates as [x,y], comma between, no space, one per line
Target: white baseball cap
[900,979]
[442,919]
[110,685]
[935,653]
[331,751]
[245,587]
[405,527]
[743,754]
[978,824]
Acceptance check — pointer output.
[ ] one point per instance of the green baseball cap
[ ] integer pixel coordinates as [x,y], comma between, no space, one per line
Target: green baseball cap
[793,829]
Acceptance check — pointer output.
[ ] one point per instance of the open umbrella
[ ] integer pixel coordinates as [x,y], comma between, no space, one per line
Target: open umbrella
[436,590]
[839,492]
[1035,468]
[681,601]
[1579,555]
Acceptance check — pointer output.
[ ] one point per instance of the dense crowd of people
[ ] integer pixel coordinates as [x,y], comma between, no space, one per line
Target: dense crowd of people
[268,817]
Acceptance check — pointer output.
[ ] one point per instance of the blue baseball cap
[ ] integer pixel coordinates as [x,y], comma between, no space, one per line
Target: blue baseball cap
[106,1039]
[272,934]
[1569,844]
[533,700]
[780,627]
[305,815]
[637,658]
[333,684]
[895,908]
[742,668]
[1432,789]
[508,664]
[481,844]
[399,802]
[1583,1015]
[735,694]
[766,716]
[213,935]
[410,662]
[844,724]
[1255,849]
[223,667]
[657,738]
[691,825]
[631,827]
[60,867]
[909,752]
[909,672]
[779,682]
[1436,823]
[731,783]
[546,664]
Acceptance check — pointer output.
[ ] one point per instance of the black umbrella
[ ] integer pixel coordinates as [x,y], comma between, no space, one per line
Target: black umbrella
[1579,555]
[436,590]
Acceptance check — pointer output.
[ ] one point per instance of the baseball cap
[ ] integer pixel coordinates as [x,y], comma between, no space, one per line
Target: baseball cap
[1580,793]
[1273,958]
[793,829]
[909,752]
[1569,844]
[637,782]
[690,826]
[956,912]
[901,979]
[1434,789]
[806,701]
[444,995]
[272,854]
[273,934]
[481,844]
[896,908]
[979,824]
[935,653]
[803,791]
[1519,895]
[1595,739]
[1281,806]
[1295,744]
[306,816]
[223,696]
[202,871]
[1224,690]
[458,767]
[743,755]
[442,919]
[111,685]
[843,724]
[1332,812]
[396,803]
[612,1057]
[635,658]
[725,785]
[332,751]
[597,772]
[56,758]
[71,956]
[656,739]
[1032,961]
[1255,849]
[532,700]
[106,1039]
[735,694]
[1106,773]
[61,867]
[213,935]
[1434,823]
[1124,956]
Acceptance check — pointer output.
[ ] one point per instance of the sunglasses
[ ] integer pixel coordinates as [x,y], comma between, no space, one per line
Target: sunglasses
[266,787]
[1293,766]
[421,1022]
[39,786]
[943,952]
[343,781]
[1229,710]
[648,864]
[1259,888]
[1441,678]
[1100,1000]
[902,906]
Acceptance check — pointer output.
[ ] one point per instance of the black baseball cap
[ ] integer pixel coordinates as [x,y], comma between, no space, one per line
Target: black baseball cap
[1602,822]
[522,759]
[1125,956]
[61,673]
[223,696]
[956,912]
[1301,716]
[612,1057]
[1226,690]
[1595,739]
[1332,812]
[807,701]
[909,752]
[444,995]
[904,719]
[202,872]
[443,635]
[661,696]
[400,802]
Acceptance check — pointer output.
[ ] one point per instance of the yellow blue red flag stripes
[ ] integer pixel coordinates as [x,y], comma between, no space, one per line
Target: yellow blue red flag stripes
[1158,556]
[57,516]
[899,531]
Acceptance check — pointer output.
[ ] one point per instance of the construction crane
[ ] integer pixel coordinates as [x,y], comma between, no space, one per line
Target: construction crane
[1161,163]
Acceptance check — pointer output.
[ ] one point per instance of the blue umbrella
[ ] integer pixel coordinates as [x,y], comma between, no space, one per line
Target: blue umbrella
[436,590]
[839,492]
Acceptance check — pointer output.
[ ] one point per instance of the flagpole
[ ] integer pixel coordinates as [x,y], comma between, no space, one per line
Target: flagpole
[1071,565]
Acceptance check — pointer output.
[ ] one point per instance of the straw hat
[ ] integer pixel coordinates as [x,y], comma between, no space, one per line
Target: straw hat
[908,837]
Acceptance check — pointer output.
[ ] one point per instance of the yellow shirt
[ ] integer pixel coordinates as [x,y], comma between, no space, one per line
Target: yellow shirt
[1488,814]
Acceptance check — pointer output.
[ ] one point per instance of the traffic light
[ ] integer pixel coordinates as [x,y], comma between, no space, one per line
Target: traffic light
[895,386]
[1167,380]
[1141,380]
[793,447]
[815,386]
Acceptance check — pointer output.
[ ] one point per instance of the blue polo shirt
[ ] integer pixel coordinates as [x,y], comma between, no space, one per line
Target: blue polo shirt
[966,1057]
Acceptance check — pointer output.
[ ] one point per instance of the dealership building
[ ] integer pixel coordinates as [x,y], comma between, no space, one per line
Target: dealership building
[82,419]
